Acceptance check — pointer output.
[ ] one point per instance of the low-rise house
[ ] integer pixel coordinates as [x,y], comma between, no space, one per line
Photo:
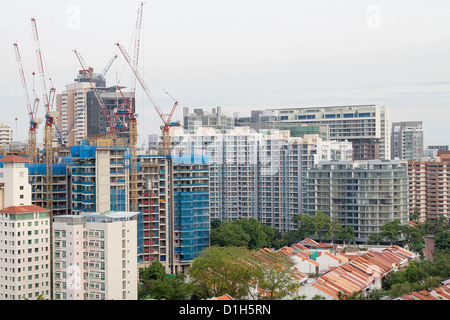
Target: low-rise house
[326,261]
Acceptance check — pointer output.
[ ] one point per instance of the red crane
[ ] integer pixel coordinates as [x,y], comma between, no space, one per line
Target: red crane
[86,71]
[166,121]
[32,110]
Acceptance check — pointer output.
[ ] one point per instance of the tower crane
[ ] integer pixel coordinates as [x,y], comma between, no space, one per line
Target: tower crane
[48,138]
[63,136]
[167,123]
[49,118]
[85,69]
[32,110]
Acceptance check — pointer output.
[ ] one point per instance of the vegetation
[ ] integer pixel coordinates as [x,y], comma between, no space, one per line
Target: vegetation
[233,265]
[236,270]
[157,285]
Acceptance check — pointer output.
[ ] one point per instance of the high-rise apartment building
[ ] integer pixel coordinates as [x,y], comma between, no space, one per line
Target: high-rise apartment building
[256,174]
[6,134]
[15,189]
[24,236]
[407,140]
[101,182]
[24,253]
[364,195]
[95,256]
[429,189]
[80,113]
[366,126]
[62,184]
[199,118]
[191,221]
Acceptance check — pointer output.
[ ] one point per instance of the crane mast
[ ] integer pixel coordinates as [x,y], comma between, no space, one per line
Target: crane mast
[32,110]
[65,134]
[166,121]
[48,137]
[85,69]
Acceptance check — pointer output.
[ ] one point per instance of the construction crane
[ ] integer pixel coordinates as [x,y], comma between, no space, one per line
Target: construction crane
[49,119]
[48,136]
[167,123]
[63,136]
[32,110]
[85,69]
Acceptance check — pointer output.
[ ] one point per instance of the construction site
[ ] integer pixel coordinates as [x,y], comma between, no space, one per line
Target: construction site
[90,160]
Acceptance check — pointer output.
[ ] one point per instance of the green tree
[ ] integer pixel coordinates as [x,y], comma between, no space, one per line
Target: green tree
[346,234]
[277,276]
[155,271]
[219,270]
[167,288]
[229,234]
[305,225]
[260,234]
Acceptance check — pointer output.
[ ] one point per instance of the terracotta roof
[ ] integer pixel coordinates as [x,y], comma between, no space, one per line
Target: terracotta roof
[226,296]
[14,158]
[23,209]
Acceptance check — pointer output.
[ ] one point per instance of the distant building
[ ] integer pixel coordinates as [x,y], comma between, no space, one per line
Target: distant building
[407,140]
[429,185]
[6,134]
[267,120]
[364,195]
[199,118]
[80,114]
[256,174]
[366,126]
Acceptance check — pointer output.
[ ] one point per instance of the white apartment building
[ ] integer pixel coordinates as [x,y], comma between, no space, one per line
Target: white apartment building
[15,190]
[407,140]
[6,134]
[366,126]
[24,253]
[71,105]
[257,174]
[24,236]
[95,256]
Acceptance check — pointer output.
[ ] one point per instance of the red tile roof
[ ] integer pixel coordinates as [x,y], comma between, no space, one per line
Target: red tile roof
[23,209]
[14,158]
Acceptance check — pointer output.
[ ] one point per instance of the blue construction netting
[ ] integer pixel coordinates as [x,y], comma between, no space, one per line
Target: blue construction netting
[83,152]
[40,169]
[191,159]
[191,217]
[118,199]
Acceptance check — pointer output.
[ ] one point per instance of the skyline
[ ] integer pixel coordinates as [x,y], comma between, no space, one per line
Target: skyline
[244,56]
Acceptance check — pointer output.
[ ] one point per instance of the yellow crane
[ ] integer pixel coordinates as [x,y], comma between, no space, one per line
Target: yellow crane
[32,110]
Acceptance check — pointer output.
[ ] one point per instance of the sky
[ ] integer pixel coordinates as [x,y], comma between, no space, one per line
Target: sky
[241,55]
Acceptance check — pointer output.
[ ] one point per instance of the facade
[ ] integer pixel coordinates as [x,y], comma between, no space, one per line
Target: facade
[6,134]
[80,112]
[101,182]
[407,140]
[95,256]
[25,253]
[15,189]
[256,174]
[429,189]
[62,185]
[24,236]
[366,126]
[267,120]
[191,222]
[199,118]
[362,194]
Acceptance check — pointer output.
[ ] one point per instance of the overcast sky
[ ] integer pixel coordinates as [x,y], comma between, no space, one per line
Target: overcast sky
[243,54]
